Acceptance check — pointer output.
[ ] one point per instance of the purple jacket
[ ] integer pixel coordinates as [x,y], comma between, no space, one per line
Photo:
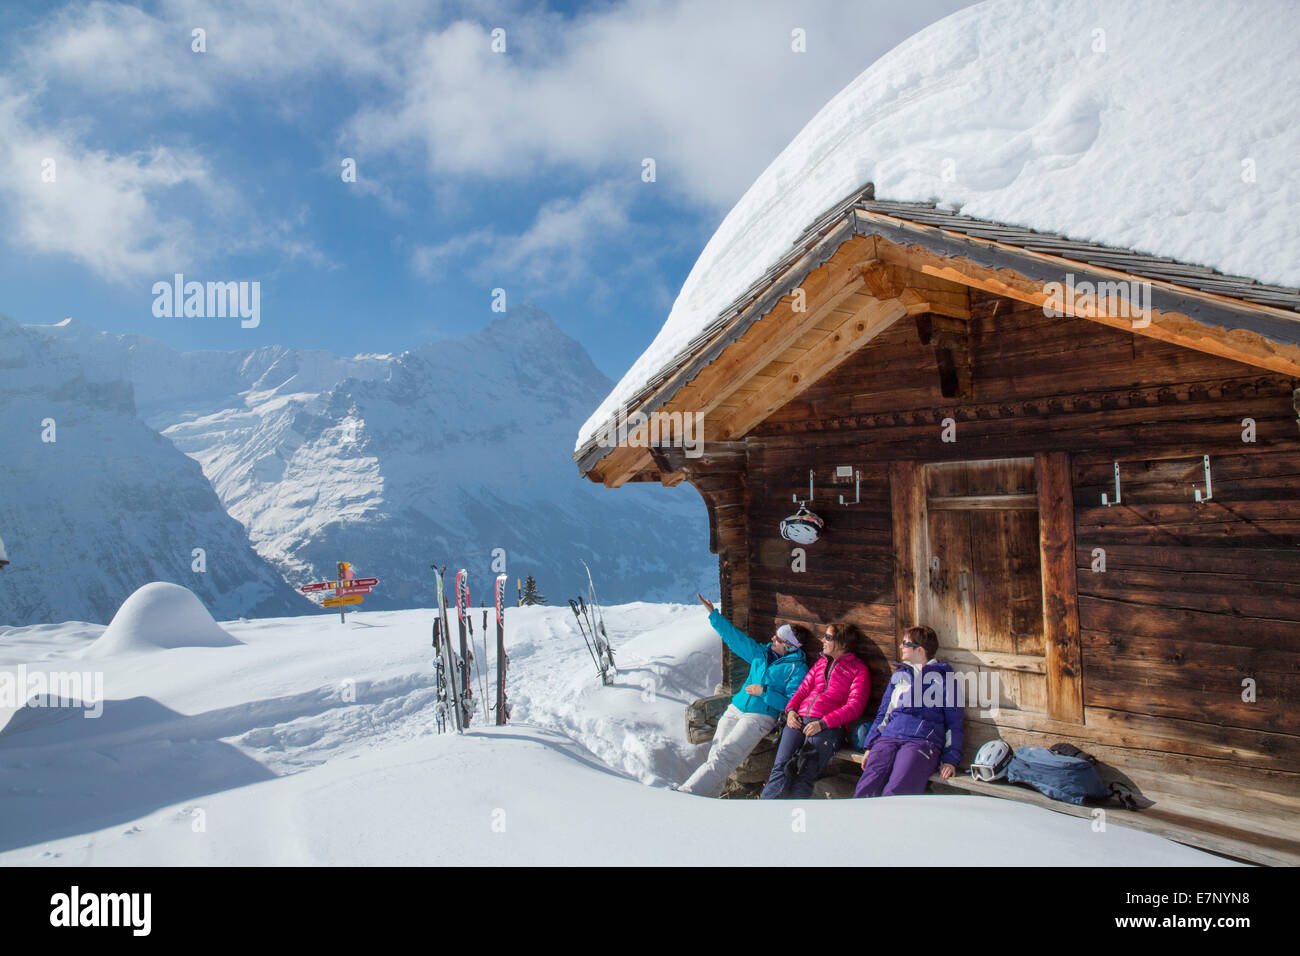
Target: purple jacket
[931,712]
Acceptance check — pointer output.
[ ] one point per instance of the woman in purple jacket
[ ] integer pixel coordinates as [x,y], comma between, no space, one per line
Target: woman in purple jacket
[918,727]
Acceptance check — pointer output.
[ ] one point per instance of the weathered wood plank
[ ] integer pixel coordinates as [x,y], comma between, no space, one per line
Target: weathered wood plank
[1119,686]
[1207,568]
[907,498]
[947,599]
[1098,614]
[1193,656]
[993,660]
[1239,596]
[1060,594]
[984,503]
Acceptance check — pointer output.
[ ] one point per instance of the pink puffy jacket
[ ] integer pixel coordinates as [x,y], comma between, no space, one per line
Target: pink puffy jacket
[838,702]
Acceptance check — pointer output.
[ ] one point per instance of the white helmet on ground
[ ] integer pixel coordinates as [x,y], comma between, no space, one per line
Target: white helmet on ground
[991,761]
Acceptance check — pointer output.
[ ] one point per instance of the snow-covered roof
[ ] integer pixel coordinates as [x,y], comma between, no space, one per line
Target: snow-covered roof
[1163,127]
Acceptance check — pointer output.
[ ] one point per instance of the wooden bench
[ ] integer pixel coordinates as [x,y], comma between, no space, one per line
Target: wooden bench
[1201,827]
[1177,824]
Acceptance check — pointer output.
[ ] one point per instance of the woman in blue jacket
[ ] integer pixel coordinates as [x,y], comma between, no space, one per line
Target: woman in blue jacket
[775,672]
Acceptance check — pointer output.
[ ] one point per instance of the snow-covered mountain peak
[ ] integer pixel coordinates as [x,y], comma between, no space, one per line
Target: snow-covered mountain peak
[445,452]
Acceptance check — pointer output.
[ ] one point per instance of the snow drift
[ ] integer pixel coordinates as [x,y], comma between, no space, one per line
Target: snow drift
[314,743]
[159,616]
[1089,118]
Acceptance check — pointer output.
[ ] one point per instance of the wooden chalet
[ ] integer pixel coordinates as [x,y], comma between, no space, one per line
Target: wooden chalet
[973,438]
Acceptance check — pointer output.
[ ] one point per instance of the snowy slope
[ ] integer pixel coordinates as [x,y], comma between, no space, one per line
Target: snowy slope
[109,505]
[1110,121]
[442,453]
[313,742]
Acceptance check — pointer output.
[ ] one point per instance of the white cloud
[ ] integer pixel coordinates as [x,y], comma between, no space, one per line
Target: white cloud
[550,254]
[108,49]
[711,91]
[126,216]
[109,212]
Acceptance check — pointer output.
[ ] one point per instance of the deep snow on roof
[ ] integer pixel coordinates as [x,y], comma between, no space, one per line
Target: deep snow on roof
[1163,127]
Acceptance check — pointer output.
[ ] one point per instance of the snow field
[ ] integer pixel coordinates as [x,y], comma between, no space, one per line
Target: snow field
[313,742]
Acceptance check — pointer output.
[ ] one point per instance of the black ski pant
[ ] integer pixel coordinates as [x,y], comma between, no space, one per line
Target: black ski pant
[799,761]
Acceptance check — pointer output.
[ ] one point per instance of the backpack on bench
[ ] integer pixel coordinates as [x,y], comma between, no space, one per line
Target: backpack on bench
[1063,773]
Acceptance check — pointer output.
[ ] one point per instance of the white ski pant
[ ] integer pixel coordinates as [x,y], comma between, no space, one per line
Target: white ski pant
[737,735]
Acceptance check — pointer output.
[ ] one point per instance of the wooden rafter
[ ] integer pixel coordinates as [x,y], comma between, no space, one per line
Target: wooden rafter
[824,291]
[919,292]
[1168,326]
[837,345]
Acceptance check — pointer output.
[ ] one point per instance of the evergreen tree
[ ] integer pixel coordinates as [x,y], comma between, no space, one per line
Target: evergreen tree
[531,594]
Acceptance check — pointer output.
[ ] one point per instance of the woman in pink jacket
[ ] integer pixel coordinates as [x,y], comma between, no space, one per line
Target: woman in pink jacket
[832,696]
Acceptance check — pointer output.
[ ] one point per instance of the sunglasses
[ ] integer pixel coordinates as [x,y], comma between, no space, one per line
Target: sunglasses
[910,644]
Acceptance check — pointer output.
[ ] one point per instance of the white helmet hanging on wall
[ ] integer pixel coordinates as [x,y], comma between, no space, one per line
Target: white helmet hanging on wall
[991,761]
[802,527]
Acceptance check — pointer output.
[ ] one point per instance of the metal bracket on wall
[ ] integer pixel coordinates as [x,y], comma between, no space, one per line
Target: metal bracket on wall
[1104,499]
[1209,488]
[795,498]
[857,489]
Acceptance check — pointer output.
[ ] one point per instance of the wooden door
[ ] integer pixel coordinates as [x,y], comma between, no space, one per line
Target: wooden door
[980,581]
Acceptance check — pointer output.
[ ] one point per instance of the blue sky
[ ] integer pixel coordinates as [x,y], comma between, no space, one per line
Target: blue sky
[476,169]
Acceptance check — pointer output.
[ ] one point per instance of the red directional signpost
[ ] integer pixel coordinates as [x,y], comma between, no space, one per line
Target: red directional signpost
[347,590]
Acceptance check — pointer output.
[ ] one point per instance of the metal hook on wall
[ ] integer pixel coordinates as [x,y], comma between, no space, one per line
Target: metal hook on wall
[857,489]
[795,498]
[1104,500]
[1209,488]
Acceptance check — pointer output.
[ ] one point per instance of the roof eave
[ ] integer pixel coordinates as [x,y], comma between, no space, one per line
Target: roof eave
[1000,247]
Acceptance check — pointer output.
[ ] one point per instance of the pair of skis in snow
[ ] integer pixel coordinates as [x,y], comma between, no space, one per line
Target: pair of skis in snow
[593,631]
[456,703]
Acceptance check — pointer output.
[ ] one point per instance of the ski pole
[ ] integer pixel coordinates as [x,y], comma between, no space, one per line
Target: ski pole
[574,604]
[602,649]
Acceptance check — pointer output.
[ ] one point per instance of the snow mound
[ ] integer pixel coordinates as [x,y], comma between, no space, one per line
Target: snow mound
[159,616]
[666,656]
[1163,126]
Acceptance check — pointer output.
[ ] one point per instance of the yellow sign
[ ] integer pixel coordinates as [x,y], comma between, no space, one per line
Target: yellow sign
[349,599]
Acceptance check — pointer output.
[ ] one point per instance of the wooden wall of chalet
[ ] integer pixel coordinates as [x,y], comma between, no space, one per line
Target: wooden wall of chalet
[1193,599]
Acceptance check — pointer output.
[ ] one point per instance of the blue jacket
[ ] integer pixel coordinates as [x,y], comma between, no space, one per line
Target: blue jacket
[935,714]
[779,676]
